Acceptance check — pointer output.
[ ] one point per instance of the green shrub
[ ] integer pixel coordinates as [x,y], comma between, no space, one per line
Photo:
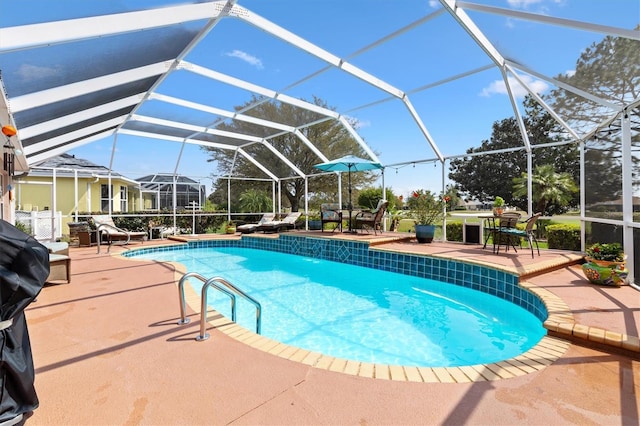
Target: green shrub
[454,231]
[22,227]
[563,236]
[139,221]
[541,228]
[135,223]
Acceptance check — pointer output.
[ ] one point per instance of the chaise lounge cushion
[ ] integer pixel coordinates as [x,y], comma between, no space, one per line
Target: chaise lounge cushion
[288,222]
[57,247]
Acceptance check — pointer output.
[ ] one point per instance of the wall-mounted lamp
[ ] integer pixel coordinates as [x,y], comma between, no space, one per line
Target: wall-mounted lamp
[9,153]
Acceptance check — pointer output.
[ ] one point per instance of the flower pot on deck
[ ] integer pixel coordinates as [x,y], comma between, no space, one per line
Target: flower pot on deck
[425,233]
[604,272]
[315,225]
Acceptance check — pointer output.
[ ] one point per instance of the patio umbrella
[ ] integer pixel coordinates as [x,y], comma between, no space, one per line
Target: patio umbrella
[349,163]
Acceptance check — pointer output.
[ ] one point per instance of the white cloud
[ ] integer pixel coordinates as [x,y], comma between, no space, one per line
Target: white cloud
[510,23]
[542,5]
[570,73]
[522,4]
[250,59]
[434,4]
[357,123]
[498,87]
[30,72]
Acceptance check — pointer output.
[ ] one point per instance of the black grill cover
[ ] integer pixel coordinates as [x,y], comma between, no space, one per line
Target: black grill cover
[24,267]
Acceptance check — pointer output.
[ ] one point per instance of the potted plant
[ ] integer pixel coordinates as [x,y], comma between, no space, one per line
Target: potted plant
[231,227]
[498,206]
[426,209]
[315,224]
[605,264]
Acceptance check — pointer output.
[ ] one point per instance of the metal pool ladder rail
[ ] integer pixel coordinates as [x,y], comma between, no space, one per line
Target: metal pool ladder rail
[223,286]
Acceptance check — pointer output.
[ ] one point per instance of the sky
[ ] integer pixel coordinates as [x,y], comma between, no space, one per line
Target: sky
[458,114]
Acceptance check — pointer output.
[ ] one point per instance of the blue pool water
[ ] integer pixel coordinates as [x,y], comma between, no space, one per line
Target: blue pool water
[361,313]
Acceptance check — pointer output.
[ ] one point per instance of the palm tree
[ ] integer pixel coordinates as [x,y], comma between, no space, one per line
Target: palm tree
[548,187]
[255,201]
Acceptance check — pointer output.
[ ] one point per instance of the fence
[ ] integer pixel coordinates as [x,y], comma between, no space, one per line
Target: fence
[43,225]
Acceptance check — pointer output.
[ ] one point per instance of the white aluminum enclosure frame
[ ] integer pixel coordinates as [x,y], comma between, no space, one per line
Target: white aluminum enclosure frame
[49,34]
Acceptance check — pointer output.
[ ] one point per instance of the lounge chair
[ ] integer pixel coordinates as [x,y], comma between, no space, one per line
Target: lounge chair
[108,232]
[331,213]
[371,219]
[248,228]
[288,222]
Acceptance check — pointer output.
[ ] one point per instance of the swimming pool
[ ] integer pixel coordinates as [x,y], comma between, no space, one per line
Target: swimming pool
[363,314]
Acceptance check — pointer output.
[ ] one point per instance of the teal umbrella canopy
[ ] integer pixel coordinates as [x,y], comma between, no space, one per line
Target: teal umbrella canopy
[349,163]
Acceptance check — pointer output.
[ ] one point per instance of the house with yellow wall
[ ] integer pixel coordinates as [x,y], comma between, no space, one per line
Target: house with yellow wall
[80,186]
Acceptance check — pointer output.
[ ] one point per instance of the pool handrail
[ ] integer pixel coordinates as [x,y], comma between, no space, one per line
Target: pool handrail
[183,303]
[237,291]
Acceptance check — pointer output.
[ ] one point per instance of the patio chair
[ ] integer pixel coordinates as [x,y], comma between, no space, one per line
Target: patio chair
[331,213]
[527,233]
[59,261]
[371,218]
[288,222]
[248,228]
[59,267]
[108,232]
[506,221]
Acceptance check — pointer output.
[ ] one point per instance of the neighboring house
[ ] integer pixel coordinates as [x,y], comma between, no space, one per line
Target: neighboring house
[475,205]
[614,205]
[79,186]
[157,192]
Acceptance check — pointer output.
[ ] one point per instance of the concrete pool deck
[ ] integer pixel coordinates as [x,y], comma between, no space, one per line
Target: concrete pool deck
[108,351]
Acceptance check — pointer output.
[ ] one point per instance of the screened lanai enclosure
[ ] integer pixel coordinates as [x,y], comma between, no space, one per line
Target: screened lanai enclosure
[242,89]
[170,192]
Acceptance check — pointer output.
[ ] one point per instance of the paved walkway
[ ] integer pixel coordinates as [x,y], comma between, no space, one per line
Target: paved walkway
[108,351]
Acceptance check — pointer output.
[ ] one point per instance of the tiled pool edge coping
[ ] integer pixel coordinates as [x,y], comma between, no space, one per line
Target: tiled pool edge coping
[550,348]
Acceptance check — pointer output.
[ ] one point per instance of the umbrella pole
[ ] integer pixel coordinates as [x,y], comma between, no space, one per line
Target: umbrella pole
[350,205]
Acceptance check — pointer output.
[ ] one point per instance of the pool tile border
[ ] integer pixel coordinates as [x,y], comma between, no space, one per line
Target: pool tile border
[497,282]
[542,303]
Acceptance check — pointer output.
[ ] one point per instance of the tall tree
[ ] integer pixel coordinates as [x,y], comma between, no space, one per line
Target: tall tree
[610,70]
[330,137]
[483,177]
[552,192]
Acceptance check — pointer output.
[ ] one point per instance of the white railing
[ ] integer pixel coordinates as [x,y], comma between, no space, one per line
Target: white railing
[43,225]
